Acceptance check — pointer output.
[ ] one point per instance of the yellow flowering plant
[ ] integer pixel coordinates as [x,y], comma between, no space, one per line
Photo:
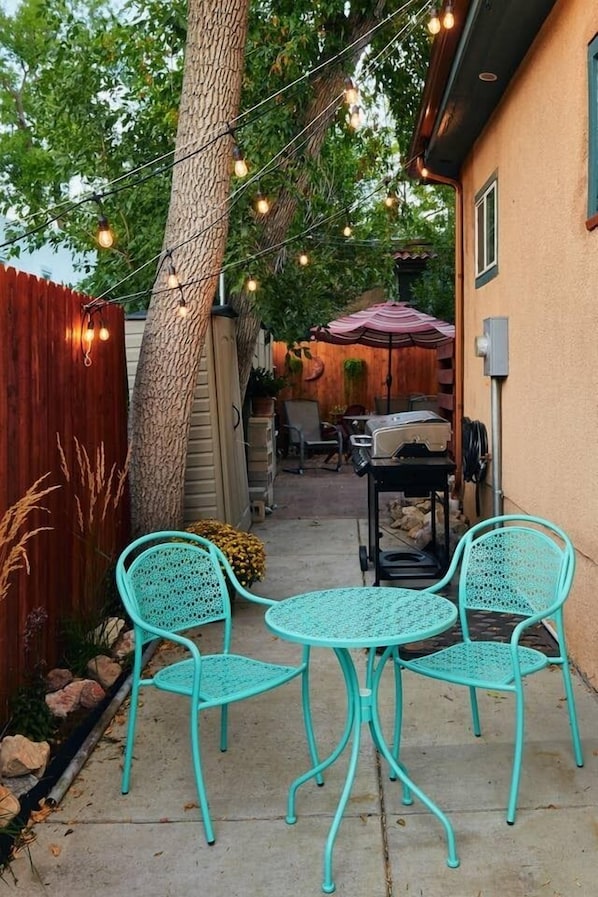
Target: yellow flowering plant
[244,551]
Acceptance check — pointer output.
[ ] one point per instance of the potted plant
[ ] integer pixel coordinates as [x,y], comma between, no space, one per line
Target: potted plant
[263,387]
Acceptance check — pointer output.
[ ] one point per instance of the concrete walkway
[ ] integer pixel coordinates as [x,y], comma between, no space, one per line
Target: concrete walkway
[150,843]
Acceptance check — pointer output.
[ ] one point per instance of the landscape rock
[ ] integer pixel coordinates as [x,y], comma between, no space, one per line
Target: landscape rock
[20,785]
[19,756]
[108,632]
[61,703]
[92,694]
[9,806]
[124,644]
[104,670]
[58,678]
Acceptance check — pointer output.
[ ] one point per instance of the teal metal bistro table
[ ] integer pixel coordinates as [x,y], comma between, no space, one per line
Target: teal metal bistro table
[371,618]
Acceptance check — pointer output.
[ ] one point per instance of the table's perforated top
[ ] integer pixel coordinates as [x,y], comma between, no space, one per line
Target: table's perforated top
[361,617]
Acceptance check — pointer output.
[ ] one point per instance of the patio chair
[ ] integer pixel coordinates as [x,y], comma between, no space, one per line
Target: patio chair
[171,582]
[309,435]
[518,565]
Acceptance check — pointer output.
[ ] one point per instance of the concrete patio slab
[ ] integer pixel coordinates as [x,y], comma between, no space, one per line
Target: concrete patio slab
[150,843]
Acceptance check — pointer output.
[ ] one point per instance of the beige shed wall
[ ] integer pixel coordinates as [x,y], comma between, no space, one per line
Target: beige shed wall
[547,286]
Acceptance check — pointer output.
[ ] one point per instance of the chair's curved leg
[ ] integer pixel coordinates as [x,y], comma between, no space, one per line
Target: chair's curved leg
[475,713]
[131,726]
[224,727]
[571,710]
[307,718]
[518,752]
[199,782]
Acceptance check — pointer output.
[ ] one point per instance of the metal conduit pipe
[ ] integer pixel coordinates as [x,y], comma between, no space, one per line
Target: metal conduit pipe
[496,415]
[62,785]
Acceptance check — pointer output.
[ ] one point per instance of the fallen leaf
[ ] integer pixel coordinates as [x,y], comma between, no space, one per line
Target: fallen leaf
[55,850]
[401,821]
[191,805]
[40,815]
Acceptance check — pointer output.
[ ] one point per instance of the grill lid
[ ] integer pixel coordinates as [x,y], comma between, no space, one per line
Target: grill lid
[406,433]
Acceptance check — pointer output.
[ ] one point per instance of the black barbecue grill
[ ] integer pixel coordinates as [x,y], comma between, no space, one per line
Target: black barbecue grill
[406,453]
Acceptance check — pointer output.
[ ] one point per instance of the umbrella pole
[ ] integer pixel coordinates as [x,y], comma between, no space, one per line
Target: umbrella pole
[389,374]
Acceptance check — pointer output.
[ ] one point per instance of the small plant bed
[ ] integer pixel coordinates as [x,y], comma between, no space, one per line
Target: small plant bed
[52,716]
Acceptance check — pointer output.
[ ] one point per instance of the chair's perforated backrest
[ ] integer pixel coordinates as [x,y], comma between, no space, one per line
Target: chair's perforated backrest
[515,569]
[173,585]
[303,414]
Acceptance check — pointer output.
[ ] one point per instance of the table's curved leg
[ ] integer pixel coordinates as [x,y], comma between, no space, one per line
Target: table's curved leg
[315,772]
[396,740]
[354,698]
[399,769]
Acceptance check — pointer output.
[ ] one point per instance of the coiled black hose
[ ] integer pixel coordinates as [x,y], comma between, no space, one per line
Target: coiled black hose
[475,455]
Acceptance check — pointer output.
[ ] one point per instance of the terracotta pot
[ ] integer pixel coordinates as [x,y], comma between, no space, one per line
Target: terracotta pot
[262,406]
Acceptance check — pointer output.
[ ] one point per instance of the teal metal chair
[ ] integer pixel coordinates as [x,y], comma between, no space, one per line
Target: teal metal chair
[171,582]
[513,564]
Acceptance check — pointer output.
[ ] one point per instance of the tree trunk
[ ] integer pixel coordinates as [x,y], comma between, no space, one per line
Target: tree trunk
[196,232]
[322,110]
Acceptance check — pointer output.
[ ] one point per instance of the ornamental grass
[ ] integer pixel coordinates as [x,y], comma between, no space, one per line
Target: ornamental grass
[244,551]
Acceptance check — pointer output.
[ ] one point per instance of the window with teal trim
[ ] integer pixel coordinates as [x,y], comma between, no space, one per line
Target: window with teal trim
[486,233]
[593,128]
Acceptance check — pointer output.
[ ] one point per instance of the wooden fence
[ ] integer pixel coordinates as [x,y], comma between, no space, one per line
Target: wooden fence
[413,369]
[48,394]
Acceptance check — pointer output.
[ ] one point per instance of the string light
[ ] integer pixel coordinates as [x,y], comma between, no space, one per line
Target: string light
[89,333]
[347,230]
[105,237]
[303,259]
[240,165]
[182,309]
[262,206]
[351,92]
[172,281]
[251,285]
[448,19]
[434,23]
[104,333]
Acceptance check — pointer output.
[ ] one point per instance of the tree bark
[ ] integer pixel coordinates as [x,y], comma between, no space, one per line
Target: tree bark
[196,232]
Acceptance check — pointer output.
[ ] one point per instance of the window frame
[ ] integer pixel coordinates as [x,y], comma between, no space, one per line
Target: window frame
[592,211]
[488,269]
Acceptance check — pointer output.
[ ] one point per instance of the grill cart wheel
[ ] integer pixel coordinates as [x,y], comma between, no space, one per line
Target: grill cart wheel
[363,557]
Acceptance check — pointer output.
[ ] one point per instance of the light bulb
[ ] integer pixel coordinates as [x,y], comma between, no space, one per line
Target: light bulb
[104,333]
[347,231]
[448,20]
[351,92]
[261,204]
[303,259]
[434,23]
[89,332]
[355,117]
[182,310]
[252,285]
[424,172]
[389,200]
[105,236]
[240,163]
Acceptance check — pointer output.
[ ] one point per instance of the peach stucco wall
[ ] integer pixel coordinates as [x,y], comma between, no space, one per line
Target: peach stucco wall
[547,286]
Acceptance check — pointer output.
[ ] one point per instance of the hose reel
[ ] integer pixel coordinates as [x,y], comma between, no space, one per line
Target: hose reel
[475,455]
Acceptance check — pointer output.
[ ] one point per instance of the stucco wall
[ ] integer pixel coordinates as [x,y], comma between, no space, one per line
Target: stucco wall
[547,286]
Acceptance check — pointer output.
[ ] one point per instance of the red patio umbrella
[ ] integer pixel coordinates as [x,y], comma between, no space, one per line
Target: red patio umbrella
[389,325]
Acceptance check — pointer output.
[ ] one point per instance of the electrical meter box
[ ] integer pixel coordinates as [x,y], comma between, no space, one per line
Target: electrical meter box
[493,347]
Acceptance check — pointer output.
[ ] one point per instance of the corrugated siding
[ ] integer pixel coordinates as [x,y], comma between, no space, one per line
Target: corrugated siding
[202,496]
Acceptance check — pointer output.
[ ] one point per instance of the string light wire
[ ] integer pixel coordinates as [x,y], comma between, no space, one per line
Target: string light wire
[74,204]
